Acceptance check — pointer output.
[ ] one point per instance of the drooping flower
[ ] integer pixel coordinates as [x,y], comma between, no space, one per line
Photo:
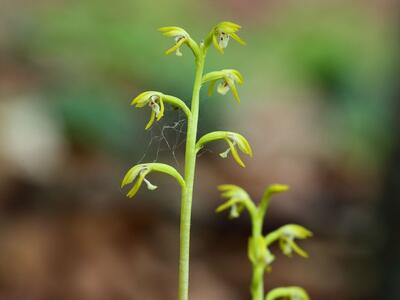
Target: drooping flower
[139,173]
[232,139]
[221,34]
[228,78]
[155,100]
[289,293]
[180,37]
[286,236]
[237,200]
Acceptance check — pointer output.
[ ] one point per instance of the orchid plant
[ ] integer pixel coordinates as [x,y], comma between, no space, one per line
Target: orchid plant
[226,80]
[219,36]
[259,253]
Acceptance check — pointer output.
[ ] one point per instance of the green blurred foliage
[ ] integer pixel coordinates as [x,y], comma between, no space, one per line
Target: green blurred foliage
[93,56]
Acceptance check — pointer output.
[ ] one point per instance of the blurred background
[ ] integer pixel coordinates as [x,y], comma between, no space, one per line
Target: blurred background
[320,106]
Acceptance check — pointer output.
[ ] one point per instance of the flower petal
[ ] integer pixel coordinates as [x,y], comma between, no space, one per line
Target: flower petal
[176,46]
[235,154]
[136,186]
[237,38]
[151,121]
[216,44]
[215,75]
[130,175]
[243,144]
[238,77]
[232,86]
[296,230]
[297,249]
[171,31]
[227,205]
[228,27]
[142,99]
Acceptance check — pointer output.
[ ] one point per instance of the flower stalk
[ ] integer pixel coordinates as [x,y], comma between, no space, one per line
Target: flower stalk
[259,254]
[187,191]
[157,100]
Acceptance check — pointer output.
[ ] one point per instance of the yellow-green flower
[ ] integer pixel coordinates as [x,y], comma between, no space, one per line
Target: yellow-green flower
[155,100]
[180,37]
[223,32]
[237,200]
[228,78]
[286,236]
[139,173]
[232,139]
[288,293]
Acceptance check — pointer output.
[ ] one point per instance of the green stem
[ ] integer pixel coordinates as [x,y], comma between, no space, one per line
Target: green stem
[187,192]
[257,282]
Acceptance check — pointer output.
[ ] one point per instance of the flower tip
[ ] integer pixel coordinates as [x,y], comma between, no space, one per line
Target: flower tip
[220,208]
[278,188]
[124,181]
[224,154]
[135,100]
[226,187]
[307,233]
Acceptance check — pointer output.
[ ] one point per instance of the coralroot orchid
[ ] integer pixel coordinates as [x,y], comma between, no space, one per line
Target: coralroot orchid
[237,199]
[157,100]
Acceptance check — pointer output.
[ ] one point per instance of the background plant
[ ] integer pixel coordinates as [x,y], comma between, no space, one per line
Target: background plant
[225,80]
[259,253]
